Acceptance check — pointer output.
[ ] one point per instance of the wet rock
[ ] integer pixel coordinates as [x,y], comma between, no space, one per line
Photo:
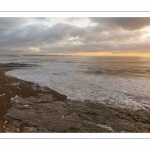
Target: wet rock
[62,117]
[29,129]
[25,106]
[15,83]
[106,127]
[44,114]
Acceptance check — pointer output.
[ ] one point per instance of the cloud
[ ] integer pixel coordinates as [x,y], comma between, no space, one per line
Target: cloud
[7,24]
[129,23]
[35,49]
[71,19]
[107,35]
[37,35]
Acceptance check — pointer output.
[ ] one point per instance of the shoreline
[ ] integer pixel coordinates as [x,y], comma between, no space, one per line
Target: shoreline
[9,89]
[28,107]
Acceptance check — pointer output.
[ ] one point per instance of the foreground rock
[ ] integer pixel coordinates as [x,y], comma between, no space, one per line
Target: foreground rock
[45,114]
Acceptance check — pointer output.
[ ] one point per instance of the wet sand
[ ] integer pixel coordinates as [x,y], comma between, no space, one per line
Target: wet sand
[27,107]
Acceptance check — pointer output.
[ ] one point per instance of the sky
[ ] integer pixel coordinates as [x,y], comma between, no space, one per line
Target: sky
[75,36]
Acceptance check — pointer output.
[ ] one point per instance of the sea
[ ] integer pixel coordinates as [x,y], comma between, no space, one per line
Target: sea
[122,82]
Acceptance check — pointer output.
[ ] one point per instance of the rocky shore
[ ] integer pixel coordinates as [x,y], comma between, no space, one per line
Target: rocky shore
[27,107]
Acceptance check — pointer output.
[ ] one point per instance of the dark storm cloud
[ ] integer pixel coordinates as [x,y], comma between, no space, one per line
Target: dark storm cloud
[125,23]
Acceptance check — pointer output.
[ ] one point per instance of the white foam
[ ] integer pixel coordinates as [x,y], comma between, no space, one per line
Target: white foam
[69,79]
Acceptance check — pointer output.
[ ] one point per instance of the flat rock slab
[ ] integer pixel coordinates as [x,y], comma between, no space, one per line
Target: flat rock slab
[44,114]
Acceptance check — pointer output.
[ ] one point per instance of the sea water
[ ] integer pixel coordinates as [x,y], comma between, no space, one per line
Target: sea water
[115,81]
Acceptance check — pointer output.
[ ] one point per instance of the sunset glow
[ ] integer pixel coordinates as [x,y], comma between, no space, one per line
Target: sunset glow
[106,54]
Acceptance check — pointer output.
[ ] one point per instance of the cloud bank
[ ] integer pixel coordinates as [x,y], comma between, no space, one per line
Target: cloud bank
[68,35]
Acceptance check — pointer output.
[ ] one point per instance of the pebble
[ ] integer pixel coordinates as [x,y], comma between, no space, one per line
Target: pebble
[30,129]
[16,96]
[122,132]
[26,105]
[105,127]
[62,116]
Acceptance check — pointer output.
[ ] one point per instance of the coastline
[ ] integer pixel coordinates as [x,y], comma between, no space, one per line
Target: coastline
[27,107]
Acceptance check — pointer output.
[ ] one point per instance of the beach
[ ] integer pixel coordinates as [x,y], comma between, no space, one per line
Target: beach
[27,107]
